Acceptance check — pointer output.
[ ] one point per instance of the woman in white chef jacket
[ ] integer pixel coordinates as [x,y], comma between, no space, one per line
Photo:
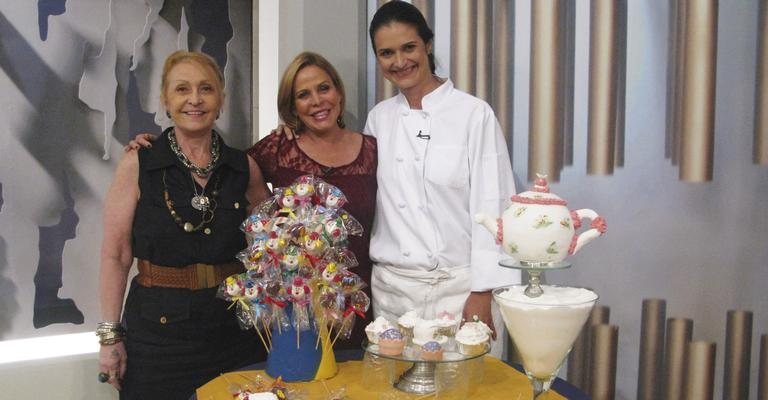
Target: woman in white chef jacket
[442,159]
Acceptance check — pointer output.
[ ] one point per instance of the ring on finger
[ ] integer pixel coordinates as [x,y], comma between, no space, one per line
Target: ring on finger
[103,377]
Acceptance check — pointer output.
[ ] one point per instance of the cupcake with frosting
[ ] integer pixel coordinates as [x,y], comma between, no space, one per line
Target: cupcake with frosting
[391,342]
[374,329]
[447,324]
[473,338]
[432,351]
[406,322]
[427,331]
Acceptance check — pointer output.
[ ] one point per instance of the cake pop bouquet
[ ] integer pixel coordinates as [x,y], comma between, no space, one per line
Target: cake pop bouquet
[298,277]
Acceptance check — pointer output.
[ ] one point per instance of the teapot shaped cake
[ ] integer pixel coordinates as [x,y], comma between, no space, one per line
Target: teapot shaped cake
[538,229]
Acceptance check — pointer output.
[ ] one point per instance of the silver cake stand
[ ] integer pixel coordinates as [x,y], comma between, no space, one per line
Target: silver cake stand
[420,377]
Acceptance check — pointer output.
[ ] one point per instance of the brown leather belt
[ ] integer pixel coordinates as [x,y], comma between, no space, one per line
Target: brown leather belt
[193,276]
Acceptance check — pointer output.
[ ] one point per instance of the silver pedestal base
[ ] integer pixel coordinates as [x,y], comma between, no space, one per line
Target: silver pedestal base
[419,379]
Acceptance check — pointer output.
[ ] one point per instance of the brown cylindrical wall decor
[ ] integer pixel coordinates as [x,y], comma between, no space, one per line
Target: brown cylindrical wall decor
[621,81]
[651,349]
[427,9]
[579,357]
[738,349]
[503,60]
[760,152]
[762,374]
[602,369]
[463,44]
[601,128]
[384,88]
[567,72]
[676,33]
[483,50]
[698,113]
[679,334]
[700,371]
[545,137]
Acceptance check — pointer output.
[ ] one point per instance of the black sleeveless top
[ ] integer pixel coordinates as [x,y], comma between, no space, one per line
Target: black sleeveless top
[158,238]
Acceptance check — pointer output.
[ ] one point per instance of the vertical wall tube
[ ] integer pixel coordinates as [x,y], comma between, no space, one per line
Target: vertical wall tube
[427,8]
[579,357]
[679,334]
[738,349]
[700,371]
[463,44]
[567,72]
[602,88]
[621,80]
[603,361]
[674,71]
[651,349]
[698,114]
[384,88]
[762,375]
[545,117]
[760,152]
[483,46]
[503,64]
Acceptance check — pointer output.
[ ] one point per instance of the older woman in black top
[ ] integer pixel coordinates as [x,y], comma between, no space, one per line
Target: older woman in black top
[176,207]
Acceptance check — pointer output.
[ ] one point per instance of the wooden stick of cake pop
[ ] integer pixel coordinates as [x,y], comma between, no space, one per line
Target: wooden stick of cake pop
[338,332]
[262,339]
[266,332]
[319,331]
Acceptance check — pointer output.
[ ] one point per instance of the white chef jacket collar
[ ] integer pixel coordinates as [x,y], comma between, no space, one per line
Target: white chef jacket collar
[430,100]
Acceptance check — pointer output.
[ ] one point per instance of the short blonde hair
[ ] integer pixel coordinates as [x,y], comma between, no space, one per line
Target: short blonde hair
[285,100]
[180,56]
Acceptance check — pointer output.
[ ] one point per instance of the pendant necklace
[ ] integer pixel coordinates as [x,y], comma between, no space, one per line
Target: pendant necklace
[207,212]
[199,202]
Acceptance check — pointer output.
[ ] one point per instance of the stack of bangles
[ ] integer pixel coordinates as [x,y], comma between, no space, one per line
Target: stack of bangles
[110,333]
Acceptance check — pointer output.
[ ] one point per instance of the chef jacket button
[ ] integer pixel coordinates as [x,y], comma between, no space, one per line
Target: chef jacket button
[163,319]
[401,205]
[400,159]
[424,115]
[429,255]
[237,206]
[406,253]
[417,158]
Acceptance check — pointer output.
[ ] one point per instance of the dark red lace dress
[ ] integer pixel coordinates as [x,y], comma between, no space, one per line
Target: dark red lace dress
[282,161]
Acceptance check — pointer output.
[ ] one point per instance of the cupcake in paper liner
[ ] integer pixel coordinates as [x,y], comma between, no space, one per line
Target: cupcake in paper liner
[447,324]
[406,322]
[391,342]
[432,351]
[473,338]
[426,331]
[375,328]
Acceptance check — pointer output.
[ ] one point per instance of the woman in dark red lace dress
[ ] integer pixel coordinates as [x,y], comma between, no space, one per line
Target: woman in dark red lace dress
[311,102]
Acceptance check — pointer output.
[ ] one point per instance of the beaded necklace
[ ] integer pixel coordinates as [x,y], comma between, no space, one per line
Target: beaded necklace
[199,171]
[207,212]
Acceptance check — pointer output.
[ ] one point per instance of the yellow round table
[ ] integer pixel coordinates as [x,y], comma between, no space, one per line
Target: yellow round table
[497,381]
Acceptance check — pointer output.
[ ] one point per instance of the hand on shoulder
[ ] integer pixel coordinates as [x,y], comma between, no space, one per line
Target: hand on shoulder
[140,140]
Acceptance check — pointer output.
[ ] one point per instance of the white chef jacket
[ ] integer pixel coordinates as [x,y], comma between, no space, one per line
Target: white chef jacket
[430,189]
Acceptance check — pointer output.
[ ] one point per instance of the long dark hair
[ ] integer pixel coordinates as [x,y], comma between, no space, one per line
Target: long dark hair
[405,13]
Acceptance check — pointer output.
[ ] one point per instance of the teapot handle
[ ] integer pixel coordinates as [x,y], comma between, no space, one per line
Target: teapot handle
[597,227]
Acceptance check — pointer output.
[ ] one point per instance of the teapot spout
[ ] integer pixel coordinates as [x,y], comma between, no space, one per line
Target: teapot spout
[491,224]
